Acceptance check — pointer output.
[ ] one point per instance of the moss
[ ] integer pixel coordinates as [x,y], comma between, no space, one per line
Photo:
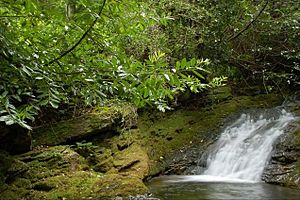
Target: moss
[163,133]
[62,172]
[219,94]
[22,183]
[5,163]
[132,161]
[51,161]
[113,185]
[99,120]
[69,185]
[83,184]
[13,192]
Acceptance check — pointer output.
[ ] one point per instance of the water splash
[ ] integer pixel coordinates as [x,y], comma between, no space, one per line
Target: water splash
[244,148]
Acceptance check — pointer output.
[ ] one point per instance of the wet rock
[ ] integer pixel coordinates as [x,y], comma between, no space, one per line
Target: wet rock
[283,168]
[285,157]
[142,197]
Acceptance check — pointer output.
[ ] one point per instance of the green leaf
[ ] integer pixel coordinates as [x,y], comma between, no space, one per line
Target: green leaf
[167,77]
[4,93]
[25,69]
[183,63]
[4,118]
[54,104]
[193,62]
[44,102]
[197,74]
[24,125]
[178,64]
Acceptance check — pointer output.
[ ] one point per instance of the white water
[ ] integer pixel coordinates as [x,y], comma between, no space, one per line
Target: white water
[243,150]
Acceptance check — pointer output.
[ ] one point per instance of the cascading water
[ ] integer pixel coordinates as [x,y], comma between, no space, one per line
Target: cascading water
[239,156]
[243,150]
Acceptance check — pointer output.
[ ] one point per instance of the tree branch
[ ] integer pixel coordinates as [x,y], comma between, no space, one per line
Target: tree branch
[250,23]
[81,39]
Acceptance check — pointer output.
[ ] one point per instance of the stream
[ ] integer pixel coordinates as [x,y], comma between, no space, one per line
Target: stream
[173,188]
[235,163]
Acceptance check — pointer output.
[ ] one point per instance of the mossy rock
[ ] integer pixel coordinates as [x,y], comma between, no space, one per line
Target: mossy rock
[14,192]
[105,165]
[51,161]
[88,185]
[71,185]
[101,122]
[59,172]
[132,161]
[113,185]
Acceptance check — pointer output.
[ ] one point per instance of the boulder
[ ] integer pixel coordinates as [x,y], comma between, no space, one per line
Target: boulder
[284,166]
[102,122]
[132,161]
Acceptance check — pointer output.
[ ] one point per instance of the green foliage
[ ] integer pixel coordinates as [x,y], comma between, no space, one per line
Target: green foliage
[259,38]
[54,55]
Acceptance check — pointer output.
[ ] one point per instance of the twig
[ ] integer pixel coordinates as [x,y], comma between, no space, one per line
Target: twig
[249,24]
[81,39]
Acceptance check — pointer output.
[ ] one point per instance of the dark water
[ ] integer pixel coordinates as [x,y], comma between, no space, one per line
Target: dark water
[170,188]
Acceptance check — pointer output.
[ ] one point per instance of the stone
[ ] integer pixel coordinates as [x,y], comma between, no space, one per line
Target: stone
[284,166]
[102,122]
[132,161]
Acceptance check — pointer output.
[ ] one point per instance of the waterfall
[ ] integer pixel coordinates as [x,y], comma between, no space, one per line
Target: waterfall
[244,148]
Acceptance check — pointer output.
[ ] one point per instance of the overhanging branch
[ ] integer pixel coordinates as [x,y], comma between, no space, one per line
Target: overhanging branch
[250,23]
[82,37]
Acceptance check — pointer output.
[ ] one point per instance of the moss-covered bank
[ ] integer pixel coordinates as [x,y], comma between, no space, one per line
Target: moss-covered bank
[114,161]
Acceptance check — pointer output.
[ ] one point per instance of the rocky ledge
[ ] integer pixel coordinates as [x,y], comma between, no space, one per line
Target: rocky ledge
[284,166]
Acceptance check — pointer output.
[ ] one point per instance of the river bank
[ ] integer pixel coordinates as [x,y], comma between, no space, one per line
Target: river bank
[111,151]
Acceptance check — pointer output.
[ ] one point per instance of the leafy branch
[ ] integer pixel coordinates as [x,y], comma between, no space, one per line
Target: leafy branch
[82,37]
